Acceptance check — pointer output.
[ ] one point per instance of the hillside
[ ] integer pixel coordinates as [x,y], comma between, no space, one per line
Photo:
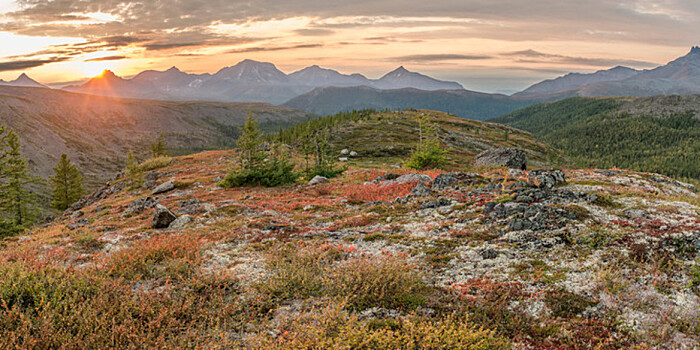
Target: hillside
[387,138]
[657,134]
[96,132]
[463,103]
[606,260]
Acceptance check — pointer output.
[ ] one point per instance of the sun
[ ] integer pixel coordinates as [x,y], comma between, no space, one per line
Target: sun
[93,69]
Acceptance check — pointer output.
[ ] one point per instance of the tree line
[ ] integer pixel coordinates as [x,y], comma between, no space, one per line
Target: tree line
[18,203]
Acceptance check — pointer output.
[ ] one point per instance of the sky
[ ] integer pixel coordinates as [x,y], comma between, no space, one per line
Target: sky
[486,45]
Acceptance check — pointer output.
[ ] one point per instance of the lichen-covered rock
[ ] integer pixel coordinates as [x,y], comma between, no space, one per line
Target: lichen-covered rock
[162,217]
[452,180]
[164,187]
[546,178]
[411,178]
[140,205]
[507,157]
[318,179]
[421,190]
[180,222]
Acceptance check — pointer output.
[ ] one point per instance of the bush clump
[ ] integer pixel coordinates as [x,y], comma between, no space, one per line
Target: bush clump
[259,167]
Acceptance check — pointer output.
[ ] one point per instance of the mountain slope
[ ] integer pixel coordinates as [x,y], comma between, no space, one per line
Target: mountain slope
[402,78]
[680,76]
[574,81]
[656,134]
[316,76]
[466,104]
[96,132]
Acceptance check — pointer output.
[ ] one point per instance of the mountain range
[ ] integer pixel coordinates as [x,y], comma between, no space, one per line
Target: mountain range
[314,88]
[247,81]
[680,76]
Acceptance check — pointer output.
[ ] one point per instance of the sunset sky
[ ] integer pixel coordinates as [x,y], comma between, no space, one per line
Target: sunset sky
[486,45]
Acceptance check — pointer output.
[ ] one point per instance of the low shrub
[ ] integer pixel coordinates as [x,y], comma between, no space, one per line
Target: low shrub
[154,163]
[430,157]
[64,309]
[171,257]
[325,271]
[333,328]
[275,172]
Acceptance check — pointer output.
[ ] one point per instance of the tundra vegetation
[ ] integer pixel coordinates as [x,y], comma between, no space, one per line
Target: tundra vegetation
[381,256]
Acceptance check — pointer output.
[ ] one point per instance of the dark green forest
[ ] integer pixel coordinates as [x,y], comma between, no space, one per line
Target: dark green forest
[598,132]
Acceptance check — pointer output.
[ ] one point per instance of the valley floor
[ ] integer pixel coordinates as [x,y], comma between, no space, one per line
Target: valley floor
[607,259]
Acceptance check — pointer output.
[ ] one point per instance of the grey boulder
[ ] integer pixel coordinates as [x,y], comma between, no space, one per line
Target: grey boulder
[162,217]
[507,157]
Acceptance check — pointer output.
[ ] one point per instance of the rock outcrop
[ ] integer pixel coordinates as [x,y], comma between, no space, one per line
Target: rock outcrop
[507,157]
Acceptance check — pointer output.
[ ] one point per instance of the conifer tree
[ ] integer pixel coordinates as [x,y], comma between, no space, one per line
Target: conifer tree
[131,163]
[67,184]
[16,201]
[249,143]
[159,148]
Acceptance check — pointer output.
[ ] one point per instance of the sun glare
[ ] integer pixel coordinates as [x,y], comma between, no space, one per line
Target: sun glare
[94,69]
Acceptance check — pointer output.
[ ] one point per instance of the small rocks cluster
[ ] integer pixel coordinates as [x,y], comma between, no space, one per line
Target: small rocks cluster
[345,153]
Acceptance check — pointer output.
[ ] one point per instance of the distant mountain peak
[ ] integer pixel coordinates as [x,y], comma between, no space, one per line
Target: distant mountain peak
[107,74]
[23,80]
[174,70]
[695,50]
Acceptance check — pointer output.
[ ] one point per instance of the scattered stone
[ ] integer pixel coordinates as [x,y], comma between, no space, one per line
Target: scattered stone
[149,184]
[140,205]
[76,215]
[180,222]
[435,204]
[353,154]
[343,159]
[80,223]
[154,175]
[508,157]
[609,172]
[411,178]
[309,207]
[453,180]
[164,187]
[345,152]
[515,172]
[421,190]
[318,179]
[162,217]
[546,178]
[189,206]
[635,213]
[489,253]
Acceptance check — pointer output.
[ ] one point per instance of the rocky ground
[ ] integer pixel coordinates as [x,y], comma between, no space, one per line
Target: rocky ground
[570,259]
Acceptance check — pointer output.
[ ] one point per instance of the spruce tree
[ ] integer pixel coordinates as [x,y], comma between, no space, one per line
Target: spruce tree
[67,184]
[249,143]
[159,148]
[16,201]
[131,164]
